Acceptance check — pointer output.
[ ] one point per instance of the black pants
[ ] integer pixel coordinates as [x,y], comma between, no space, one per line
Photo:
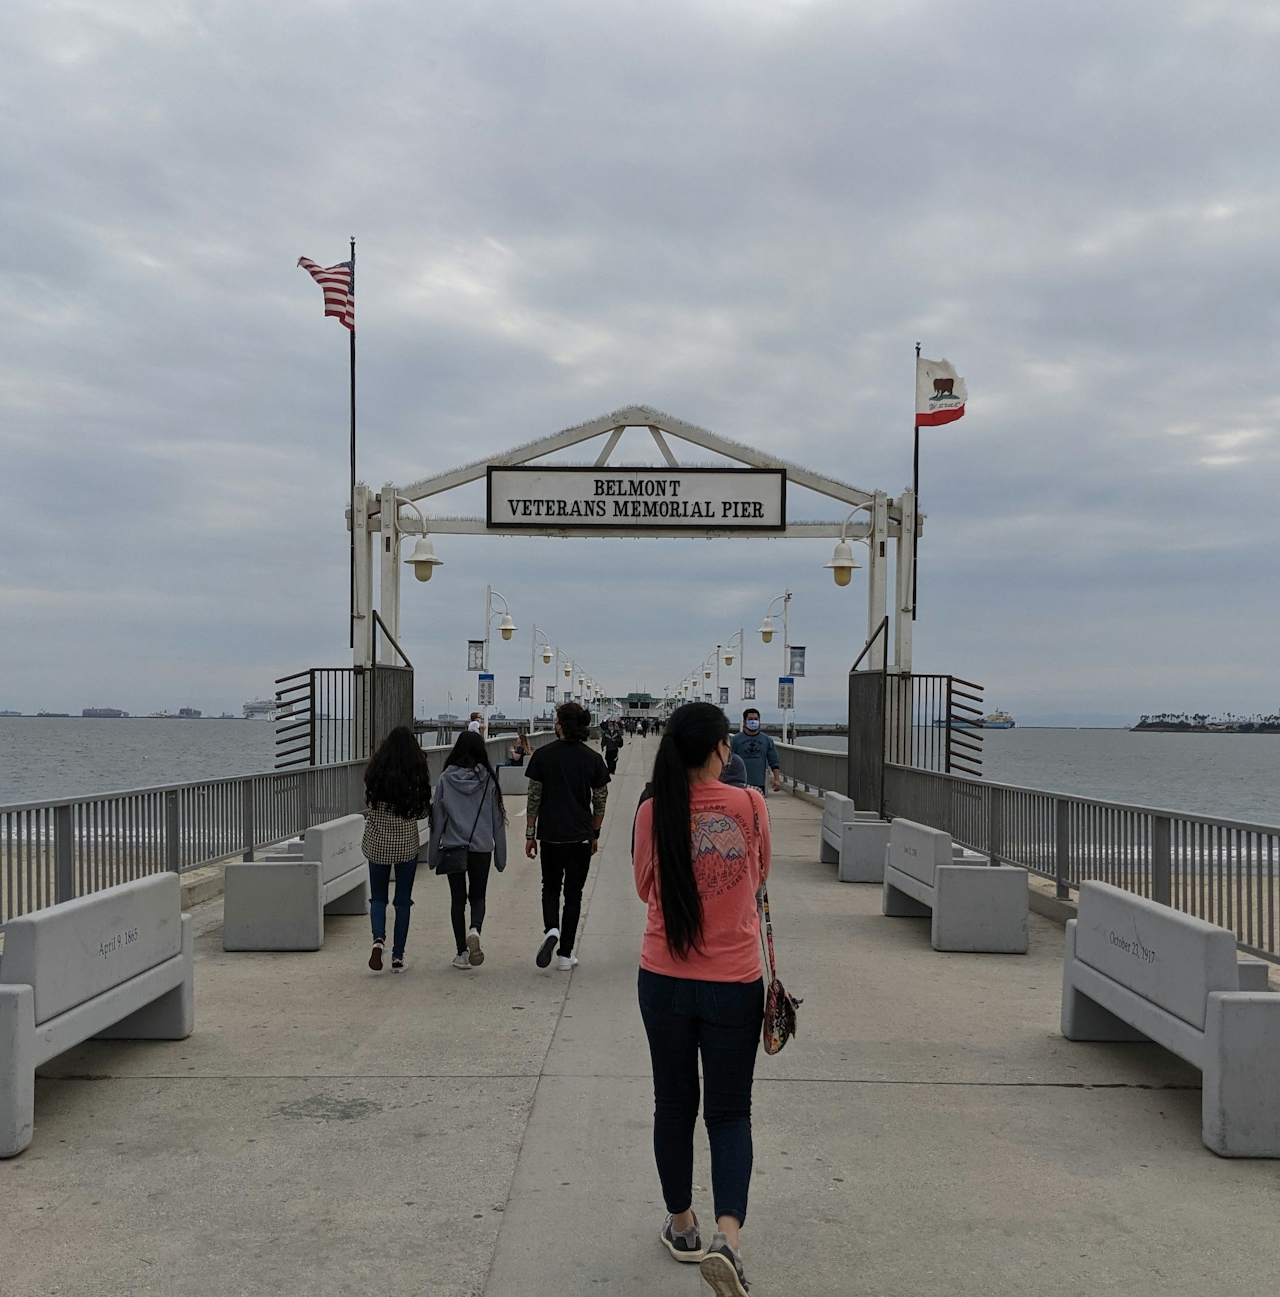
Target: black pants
[721,1021]
[472,887]
[611,760]
[564,864]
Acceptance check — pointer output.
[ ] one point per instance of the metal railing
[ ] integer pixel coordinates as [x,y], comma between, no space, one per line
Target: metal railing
[55,850]
[816,770]
[1223,871]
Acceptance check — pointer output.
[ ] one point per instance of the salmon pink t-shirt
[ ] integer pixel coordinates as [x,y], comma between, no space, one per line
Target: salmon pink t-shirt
[730,838]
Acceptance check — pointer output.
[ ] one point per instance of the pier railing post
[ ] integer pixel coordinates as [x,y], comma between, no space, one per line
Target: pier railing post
[246,817]
[64,860]
[1062,848]
[172,855]
[1161,860]
[995,824]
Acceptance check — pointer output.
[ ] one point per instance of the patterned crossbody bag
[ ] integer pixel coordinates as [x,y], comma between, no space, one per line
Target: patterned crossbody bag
[780,1005]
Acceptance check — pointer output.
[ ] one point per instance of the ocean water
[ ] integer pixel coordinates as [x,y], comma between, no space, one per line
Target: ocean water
[1232,776]
[46,758]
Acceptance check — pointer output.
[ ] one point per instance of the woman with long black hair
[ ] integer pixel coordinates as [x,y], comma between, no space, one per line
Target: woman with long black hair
[469,816]
[701,853]
[397,791]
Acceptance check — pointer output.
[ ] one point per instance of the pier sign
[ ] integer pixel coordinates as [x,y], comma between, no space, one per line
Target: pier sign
[636,500]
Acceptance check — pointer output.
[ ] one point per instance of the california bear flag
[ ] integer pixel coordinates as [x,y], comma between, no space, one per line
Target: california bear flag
[940,392]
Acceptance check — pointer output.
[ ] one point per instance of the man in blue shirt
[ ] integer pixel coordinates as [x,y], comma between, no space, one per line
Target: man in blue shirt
[757,750]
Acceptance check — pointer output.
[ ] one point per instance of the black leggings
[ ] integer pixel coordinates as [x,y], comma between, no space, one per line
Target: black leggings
[472,887]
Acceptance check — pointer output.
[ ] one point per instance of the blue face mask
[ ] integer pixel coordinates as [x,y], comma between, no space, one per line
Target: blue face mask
[752,725]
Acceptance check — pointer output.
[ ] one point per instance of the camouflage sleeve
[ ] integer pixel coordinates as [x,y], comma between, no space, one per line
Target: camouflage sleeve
[534,803]
[599,796]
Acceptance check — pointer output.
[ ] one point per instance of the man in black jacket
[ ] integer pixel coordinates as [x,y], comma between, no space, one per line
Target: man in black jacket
[568,789]
[611,744]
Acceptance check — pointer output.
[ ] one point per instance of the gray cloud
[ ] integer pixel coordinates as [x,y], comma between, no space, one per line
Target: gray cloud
[744,213]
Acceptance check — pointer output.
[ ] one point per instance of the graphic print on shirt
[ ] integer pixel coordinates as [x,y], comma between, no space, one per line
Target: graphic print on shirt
[720,852]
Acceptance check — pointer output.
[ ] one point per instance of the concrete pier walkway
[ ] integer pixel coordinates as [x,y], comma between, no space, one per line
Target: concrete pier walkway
[327,1130]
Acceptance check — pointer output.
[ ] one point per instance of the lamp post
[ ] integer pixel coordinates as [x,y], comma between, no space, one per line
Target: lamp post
[767,629]
[506,628]
[533,665]
[741,640]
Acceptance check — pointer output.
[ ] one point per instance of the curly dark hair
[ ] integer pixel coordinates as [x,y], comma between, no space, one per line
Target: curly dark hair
[574,721]
[398,776]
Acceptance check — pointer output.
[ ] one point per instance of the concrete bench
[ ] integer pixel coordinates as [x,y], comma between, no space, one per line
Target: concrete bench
[279,902]
[1137,970]
[854,839]
[115,965]
[513,781]
[975,906]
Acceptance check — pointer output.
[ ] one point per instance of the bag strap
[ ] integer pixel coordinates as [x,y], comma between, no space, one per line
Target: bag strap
[484,793]
[766,926]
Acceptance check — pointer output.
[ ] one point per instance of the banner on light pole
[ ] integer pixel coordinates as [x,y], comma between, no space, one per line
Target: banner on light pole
[526,687]
[786,693]
[748,688]
[551,693]
[484,695]
[724,695]
[796,666]
[475,655]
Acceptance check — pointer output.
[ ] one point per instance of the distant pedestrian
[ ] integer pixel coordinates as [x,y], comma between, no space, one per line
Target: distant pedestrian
[701,854]
[758,752]
[476,723]
[397,784]
[468,816]
[568,789]
[610,745]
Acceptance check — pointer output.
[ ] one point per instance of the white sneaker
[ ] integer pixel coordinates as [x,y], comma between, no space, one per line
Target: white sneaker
[543,957]
[462,961]
[474,953]
[567,962]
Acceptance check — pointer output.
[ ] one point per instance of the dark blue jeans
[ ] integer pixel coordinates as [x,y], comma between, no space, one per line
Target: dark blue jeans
[379,884]
[721,1021]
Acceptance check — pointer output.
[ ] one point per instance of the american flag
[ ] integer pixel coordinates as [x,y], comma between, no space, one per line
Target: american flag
[339,285]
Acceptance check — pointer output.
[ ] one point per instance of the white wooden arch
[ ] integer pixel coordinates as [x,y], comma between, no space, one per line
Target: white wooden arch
[886,519]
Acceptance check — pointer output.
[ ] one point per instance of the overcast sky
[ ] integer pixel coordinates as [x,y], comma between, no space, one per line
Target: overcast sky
[743,212]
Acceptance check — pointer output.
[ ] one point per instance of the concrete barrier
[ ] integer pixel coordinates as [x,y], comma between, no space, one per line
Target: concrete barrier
[513,781]
[116,964]
[853,839]
[279,901]
[1137,970]
[975,906]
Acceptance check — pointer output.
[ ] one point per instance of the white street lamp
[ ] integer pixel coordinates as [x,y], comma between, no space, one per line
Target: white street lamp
[423,559]
[766,629]
[842,563]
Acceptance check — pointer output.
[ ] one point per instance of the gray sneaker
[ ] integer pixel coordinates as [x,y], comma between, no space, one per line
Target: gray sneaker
[722,1269]
[685,1245]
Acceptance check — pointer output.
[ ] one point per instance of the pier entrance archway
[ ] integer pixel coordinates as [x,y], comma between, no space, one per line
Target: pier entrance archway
[528,496]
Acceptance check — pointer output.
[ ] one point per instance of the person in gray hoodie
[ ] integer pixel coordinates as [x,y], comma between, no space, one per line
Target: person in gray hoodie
[468,812]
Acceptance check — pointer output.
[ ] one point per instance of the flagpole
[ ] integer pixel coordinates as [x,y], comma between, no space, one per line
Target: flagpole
[351,601]
[915,488]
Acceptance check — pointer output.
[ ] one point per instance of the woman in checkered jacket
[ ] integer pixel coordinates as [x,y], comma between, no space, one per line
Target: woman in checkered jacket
[397,784]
